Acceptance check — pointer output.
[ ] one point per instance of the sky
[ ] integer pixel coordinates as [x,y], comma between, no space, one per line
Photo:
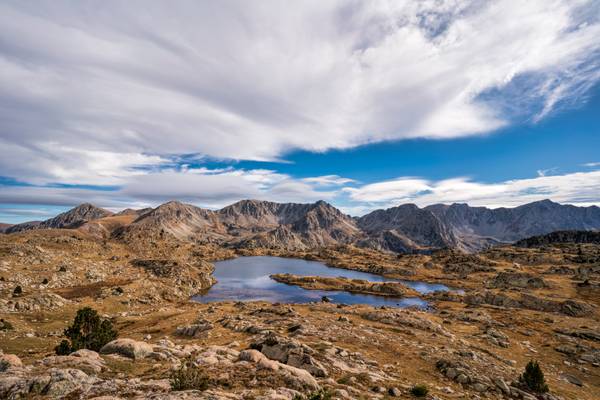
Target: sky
[365,105]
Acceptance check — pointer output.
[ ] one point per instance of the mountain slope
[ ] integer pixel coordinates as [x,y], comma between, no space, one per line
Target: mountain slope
[183,221]
[71,219]
[288,225]
[403,229]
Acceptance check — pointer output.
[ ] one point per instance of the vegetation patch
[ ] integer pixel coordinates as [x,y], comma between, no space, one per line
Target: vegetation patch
[188,377]
[419,390]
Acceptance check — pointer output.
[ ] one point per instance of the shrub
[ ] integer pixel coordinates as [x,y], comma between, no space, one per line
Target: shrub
[45,281]
[323,394]
[533,378]
[5,325]
[18,291]
[88,331]
[4,365]
[64,348]
[419,390]
[188,377]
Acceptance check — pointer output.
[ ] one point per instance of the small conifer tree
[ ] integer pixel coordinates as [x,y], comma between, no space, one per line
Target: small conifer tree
[533,378]
[88,331]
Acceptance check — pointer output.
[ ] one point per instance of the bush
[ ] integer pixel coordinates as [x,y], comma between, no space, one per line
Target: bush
[18,291]
[323,394]
[419,391]
[5,325]
[188,377]
[88,331]
[533,378]
[45,281]
[4,365]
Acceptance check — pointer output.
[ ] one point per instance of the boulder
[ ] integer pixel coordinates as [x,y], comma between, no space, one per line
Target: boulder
[195,330]
[507,280]
[298,377]
[85,360]
[289,352]
[65,381]
[128,348]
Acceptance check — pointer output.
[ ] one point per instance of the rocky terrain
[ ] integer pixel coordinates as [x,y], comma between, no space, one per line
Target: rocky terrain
[560,237]
[516,304]
[395,289]
[255,224]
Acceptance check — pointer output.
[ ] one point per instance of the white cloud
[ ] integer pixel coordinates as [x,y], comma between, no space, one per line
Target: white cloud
[592,164]
[580,188]
[108,88]
[328,180]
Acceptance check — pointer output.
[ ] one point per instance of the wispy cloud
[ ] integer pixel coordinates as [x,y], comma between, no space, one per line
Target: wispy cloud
[592,164]
[109,90]
[547,171]
[328,180]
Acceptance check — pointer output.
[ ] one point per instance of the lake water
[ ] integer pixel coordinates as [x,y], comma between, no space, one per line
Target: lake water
[247,279]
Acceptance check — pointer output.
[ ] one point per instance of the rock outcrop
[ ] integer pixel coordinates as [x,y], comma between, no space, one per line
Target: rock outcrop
[128,348]
[395,289]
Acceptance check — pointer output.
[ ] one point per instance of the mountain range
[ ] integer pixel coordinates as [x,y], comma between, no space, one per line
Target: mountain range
[292,226]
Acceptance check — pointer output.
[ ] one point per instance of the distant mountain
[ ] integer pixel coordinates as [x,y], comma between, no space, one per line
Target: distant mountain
[248,223]
[71,219]
[254,223]
[403,229]
[560,237]
[289,225]
[474,227]
[183,221]
[131,211]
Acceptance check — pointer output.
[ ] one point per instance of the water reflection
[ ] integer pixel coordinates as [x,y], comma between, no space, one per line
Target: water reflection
[247,279]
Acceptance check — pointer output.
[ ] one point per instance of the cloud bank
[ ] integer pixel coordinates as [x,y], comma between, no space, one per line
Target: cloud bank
[220,187]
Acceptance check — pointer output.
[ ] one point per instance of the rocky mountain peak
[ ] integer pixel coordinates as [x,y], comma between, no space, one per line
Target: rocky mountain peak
[73,218]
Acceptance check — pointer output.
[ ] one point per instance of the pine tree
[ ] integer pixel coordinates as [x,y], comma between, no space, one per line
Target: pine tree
[88,331]
[533,378]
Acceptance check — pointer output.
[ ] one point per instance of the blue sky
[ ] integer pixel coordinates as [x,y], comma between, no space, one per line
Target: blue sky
[561,144]
[362,105]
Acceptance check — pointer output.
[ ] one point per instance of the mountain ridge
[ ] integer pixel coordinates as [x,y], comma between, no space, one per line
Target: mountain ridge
[72,218]
[403,229]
